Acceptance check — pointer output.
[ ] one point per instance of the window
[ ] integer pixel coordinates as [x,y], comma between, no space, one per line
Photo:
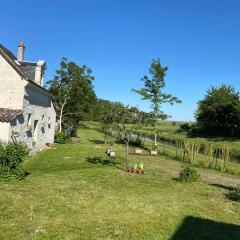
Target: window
[29,121]
[49,122]
[43,121]
[35,132]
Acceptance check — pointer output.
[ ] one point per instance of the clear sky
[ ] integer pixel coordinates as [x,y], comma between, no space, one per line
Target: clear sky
[198,40]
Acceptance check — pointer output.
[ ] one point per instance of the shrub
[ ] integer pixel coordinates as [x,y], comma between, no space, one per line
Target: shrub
[188,174]
[12,155]
[60,137]
[137,143]
[185,127]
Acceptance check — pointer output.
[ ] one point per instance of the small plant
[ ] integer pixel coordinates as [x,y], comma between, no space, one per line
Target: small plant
[226,155]
[135,167]
[131,168]
[141,165]
[60,137]
[188,174]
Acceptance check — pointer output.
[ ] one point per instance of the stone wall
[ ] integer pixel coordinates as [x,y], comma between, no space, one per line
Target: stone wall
[11,86]
[5,131]
[36,126]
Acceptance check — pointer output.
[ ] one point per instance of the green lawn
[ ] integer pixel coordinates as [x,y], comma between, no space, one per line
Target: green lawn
[76,192]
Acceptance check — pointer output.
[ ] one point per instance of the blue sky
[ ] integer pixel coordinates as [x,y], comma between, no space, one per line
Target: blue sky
[198,40]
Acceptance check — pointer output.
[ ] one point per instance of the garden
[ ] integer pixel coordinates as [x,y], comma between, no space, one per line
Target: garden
[77,191]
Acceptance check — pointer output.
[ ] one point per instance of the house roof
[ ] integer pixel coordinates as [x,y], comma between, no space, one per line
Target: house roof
[25,69]
[29,68]
[7,114]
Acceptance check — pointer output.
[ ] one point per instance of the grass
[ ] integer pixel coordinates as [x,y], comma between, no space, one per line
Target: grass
[76,192]
[168,133]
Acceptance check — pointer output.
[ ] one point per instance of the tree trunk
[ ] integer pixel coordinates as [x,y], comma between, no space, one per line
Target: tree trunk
[60,120]
[155,138]
[155,135]
[126,157]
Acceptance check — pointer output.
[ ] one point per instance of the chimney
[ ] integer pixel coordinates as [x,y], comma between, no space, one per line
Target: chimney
[21,48]
[39,72]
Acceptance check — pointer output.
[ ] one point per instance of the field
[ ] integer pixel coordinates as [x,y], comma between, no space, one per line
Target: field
[75,191]
[168,131]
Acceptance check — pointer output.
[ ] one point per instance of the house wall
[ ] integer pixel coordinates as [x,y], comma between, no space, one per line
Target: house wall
[11,86]
[5,131]
[37,103]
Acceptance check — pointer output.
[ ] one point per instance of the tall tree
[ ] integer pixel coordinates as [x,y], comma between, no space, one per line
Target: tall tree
[219,112]
[72,92]
[152,91]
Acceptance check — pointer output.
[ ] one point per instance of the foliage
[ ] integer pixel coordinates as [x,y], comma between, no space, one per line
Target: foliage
[74,188]
[188,174]
[60,137]
[152,91]
[12,174]
[138,142]
[125,121]
[185,127]
[219,112]
[12,155]
[141,165]
[72,93]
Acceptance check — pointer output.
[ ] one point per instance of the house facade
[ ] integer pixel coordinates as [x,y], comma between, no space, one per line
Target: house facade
[27,113]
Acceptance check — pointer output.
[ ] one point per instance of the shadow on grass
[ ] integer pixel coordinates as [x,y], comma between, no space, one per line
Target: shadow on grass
[233,196]
[96,141]
[100,160]
[195,228]
[221,186]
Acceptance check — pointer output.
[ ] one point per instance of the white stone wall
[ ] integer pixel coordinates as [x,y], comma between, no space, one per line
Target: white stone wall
[5,131]
[37,103]
[18,93]
[11,86]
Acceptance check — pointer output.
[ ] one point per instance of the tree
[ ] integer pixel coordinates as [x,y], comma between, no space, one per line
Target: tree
[72,92]
[219,112]
[152,91]
[125,120]
[60,88]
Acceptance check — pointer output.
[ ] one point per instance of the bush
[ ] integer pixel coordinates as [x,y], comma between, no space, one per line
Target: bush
[12,155]
[185,127]
[188,174]
[137,143]
[60,137]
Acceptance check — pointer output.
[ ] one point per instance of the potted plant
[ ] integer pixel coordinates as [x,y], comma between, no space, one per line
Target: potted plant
[132,168]
[141,165]
[135,166]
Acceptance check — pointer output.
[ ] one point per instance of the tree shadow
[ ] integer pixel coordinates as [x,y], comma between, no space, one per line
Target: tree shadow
[221,186]
[100,160]
[195,228]
[232,195]
[96,141]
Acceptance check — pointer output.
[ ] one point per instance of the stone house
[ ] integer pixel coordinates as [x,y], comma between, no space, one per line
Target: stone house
[27,113]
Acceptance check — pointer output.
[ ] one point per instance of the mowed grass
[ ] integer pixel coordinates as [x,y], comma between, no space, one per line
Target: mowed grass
[76,192]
